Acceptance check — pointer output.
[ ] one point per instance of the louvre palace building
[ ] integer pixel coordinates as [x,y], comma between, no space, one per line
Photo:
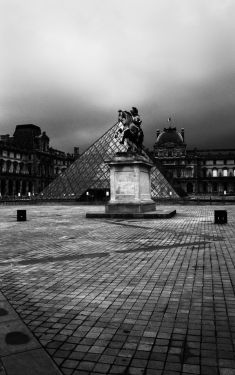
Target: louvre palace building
[28,163]
[29,167]
[194,171]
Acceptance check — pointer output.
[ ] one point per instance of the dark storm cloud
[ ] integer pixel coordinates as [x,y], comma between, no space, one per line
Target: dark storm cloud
[69,65]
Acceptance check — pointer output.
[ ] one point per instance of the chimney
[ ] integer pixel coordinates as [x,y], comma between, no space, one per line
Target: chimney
[76,152]
[182,133]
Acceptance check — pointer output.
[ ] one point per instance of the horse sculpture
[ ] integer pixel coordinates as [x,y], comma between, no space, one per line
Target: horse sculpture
[130,126]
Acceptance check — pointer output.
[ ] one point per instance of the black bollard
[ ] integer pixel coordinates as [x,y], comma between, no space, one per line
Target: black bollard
[21,215]
[220,216]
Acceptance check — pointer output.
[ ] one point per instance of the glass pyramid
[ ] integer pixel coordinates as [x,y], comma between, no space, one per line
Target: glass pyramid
[90,171]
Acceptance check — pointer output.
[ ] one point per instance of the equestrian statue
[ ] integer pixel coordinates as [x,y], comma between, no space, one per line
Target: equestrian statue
[130,128]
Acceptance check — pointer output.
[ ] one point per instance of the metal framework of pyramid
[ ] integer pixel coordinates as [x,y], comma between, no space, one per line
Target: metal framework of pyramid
[90,171]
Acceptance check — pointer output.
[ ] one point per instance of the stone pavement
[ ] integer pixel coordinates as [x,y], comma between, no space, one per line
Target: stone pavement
[88,296]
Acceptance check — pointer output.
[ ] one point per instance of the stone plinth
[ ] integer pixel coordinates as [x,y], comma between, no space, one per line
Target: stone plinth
[130,186]
[130,190]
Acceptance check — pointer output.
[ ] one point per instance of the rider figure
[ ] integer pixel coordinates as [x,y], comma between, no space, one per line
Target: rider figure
[137,121]
[135,116]
[131,130]
[122,116]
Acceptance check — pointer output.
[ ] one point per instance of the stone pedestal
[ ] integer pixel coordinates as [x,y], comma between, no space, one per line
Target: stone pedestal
[130,186]
[130,190]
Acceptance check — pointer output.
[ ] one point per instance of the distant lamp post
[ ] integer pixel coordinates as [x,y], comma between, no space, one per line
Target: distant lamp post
[29,194]
[170,193]
[107,193]
[19,195]
[225,192]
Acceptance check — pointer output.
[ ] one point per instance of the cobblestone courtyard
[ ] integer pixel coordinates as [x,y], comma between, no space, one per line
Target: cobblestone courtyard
[152,297]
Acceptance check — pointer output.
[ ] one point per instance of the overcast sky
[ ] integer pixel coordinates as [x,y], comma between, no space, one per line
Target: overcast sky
[69,65]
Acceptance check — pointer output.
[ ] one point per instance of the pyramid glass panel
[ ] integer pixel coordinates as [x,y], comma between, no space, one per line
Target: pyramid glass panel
[90,171]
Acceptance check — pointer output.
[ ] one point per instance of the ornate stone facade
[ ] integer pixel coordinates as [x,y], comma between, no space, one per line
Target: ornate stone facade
[195,171]
[28,163]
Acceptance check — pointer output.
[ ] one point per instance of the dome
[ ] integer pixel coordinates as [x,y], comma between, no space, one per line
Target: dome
[169,136]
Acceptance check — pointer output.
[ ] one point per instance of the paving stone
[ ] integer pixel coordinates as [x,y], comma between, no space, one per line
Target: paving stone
[227,371]
[227,363]
[86,365]
[191,369]
[153,293]
[207,370]
[101,368]
[117,369]
[136,370]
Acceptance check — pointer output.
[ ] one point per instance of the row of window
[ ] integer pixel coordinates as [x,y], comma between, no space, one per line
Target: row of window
[26,157]
[183,173]
[14,155]
[9,165]
[219,162]
[15,168]
[194,161]
[61,162]
[188,172]
[170,153]
[224,173]
[210,188]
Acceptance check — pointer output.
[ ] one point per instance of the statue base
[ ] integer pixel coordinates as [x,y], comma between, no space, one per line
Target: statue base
[130,190]
[157,214]
[130,187]
[130,207]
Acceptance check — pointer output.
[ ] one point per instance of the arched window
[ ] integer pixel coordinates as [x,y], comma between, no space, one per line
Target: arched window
[189,172]
[21,167]
[8,166]
[15,164]
[215,172]
[225,172]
